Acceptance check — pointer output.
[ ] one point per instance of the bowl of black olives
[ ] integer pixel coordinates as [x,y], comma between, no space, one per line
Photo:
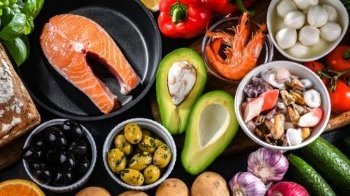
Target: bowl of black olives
[59,155]
[139,154]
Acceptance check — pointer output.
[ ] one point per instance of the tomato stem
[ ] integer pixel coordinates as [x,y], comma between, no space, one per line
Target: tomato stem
[334,77]
[347,54]
[241,7]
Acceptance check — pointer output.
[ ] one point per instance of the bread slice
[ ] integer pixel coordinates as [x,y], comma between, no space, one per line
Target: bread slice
[18,113]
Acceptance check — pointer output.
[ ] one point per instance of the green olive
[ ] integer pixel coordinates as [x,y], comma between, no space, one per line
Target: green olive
[132,133]
[140,161]
[151,174]
[132,177]
[162,156]
[146,132]
[159,142]
[123,145]
[148,144]
[116,160]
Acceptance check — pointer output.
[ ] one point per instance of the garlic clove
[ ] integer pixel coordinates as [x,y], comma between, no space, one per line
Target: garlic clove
[311,118]
[294,136]
[245,183]
[312,98]
[182,77]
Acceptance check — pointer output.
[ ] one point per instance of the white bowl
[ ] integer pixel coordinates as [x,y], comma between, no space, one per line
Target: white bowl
[155,128]
[75,185]
[274,23]
[295,69]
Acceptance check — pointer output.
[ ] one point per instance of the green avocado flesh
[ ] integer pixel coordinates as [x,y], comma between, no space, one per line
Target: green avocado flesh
[211,127]
[173,117]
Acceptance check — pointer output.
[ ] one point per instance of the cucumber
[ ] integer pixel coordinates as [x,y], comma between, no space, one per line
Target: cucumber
[332,164]
[303,173]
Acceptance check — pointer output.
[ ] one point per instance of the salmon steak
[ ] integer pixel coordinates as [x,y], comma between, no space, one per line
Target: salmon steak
[67,39]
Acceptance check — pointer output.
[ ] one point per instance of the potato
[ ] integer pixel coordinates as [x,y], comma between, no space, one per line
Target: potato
[93,191]
[133,193]
[172,187]
[209,184]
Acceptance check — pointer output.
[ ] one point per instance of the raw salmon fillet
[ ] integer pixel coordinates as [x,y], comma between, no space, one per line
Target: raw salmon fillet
[67,39]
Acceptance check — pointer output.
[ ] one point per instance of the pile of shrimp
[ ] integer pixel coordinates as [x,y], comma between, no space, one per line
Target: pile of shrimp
[241,49]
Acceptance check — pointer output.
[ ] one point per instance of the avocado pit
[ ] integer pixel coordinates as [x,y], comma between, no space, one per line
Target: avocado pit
[182,77]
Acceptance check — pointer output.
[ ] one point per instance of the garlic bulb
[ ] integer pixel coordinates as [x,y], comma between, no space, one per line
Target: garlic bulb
[309,35]
[294,19]
[268,165]
[286,37]
[285,6]
[317,16]
[294,136]
[305,4]
[330,31]
[332,12]
[299,50]
[246,184]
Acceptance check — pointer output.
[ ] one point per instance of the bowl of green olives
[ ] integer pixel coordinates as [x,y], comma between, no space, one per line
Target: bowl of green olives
[139,154]
[59,155]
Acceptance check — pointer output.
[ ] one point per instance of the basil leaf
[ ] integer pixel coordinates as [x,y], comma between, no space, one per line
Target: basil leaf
[32,7]
[29,25]
[18,49]
[15,28]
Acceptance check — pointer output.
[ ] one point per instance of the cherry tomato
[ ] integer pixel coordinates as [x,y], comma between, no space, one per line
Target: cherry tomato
[339,58]
[317,66]
[340,97]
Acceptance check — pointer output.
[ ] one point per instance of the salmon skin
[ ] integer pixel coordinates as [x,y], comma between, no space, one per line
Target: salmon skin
[66,40]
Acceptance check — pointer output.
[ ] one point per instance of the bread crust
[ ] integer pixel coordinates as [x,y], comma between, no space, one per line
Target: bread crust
[18,113]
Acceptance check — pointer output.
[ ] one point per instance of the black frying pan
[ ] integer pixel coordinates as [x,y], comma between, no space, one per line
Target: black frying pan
[130,25]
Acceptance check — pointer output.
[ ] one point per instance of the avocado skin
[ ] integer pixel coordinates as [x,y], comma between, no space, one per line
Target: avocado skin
[195,160]
[175,118]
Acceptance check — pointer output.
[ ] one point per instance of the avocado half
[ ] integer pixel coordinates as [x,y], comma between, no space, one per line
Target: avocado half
[211,127]
[173,117]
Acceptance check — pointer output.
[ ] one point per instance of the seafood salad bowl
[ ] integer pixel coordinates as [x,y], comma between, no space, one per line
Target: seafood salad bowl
[282,105]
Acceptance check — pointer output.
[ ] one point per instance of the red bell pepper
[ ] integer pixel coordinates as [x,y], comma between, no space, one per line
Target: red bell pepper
[183,18]
[226,7]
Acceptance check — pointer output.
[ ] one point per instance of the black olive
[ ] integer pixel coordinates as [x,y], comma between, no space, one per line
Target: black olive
[34,165]
[55,137]
[73,128]
[31,153]
[64,161]
[82,166]
[62,179]
[39,142]
[42,174]
[78,147]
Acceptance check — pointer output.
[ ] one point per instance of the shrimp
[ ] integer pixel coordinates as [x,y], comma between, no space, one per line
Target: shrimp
[240,53]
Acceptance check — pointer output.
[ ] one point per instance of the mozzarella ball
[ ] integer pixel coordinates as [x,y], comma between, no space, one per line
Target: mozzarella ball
[309,35]
[299,50]
[285,6]
[332,12]
[286,37]
[305,4]
[294,19]
[330,31]
[317,16]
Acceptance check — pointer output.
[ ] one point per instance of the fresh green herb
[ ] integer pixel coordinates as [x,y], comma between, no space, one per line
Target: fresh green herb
[16,22]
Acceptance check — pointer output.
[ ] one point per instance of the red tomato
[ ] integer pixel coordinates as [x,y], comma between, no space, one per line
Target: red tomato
[339,58]
[340,98]
[316,66]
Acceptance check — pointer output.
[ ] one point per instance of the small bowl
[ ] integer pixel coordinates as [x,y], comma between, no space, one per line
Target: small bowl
[75,185]
[296,69]
[274,21]
[225,24]
[155,128]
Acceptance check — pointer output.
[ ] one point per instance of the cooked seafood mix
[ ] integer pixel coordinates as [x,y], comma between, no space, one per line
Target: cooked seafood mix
[281,108]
